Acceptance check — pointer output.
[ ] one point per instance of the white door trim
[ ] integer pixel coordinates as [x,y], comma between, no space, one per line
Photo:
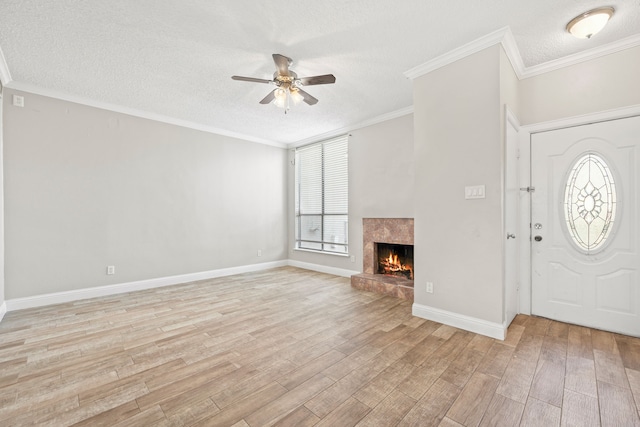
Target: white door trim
[511,120]
[525,179]
[602,116]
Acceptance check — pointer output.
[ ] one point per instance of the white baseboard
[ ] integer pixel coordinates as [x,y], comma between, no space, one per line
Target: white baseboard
[120,288]
[322,268]
[79,294]
[472,324]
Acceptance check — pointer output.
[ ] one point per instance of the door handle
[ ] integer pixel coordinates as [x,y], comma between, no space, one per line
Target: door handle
[511,236]
[537,238]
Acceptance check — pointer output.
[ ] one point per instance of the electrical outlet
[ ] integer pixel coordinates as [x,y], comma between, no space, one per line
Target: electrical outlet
[111,269]
[259,252]
[430,287]
[353,258]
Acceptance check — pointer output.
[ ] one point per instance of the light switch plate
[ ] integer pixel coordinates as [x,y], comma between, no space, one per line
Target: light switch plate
[18,100]
[474,192]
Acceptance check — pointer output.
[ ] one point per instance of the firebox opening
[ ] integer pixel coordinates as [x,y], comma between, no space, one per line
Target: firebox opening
[394,260]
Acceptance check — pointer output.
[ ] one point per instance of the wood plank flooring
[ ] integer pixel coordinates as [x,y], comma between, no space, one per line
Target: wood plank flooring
[290,347]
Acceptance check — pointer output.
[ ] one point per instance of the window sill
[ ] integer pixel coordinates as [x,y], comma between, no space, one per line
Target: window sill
[321,252]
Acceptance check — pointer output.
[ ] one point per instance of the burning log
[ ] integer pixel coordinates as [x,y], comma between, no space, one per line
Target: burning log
[392,266]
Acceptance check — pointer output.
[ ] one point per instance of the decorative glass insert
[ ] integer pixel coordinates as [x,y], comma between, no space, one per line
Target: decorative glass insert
[590,202]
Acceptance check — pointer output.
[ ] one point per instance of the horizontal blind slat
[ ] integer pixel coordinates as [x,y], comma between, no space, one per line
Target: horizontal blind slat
[322,196]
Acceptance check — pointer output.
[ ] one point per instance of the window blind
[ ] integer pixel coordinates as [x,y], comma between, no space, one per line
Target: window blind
[322,196]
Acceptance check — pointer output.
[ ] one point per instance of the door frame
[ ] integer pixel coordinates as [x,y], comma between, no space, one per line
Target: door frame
[510,120]
[525,134]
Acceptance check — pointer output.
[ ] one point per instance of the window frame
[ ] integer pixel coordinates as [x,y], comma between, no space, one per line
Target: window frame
[324,243]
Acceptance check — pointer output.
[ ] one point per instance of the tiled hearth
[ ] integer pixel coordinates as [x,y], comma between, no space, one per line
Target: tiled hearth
[384,230]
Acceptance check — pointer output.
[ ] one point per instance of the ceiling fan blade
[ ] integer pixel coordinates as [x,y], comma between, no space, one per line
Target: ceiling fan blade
[282,63]
[270,97]
[250,79]
[318,80]
[307,98]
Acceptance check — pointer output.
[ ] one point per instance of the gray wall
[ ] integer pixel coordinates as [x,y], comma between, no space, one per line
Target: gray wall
[457,119]
[86,188]
[381,184]
[597,85]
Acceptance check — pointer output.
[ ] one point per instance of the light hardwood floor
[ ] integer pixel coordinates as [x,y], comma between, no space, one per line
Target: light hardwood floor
[290,347]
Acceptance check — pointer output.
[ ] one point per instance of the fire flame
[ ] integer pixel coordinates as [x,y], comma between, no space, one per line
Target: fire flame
[392,264]
[393,260]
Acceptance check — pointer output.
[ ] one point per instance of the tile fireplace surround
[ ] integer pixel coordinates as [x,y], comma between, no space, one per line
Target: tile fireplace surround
[383,230]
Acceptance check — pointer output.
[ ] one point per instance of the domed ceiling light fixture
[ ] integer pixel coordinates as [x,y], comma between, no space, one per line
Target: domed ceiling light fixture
[585,25]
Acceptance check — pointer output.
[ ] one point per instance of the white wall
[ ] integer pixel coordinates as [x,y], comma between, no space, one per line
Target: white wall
[457,125]
[601,84]
[86,188]
[381,184]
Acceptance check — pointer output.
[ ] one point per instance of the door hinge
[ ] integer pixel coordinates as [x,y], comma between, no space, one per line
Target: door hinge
[528,189]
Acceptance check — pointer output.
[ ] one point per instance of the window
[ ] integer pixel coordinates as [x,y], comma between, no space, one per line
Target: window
[322,196]
[590,202]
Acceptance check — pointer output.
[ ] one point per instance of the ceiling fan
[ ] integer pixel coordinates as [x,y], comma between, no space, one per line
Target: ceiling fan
[288,84]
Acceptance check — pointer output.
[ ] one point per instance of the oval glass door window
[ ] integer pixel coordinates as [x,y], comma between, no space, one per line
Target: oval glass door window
[590,202]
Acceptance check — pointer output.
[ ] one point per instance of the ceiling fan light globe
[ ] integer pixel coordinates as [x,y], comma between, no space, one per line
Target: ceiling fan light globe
[280,98]
[280,103]
[295,96]
[280,93]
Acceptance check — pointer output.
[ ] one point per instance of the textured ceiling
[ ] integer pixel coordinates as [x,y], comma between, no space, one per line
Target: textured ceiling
[176,58]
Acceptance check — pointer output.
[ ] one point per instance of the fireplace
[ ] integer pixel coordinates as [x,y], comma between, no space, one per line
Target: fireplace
[392,240]
[394,260]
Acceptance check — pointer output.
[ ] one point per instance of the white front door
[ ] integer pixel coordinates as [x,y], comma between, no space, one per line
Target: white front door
[585,225]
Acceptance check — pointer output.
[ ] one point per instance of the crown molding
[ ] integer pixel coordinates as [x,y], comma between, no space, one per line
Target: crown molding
[5,75]
[139,113]
[504,36]
[513,53]
[379,119]
[458,53]
[587,55]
